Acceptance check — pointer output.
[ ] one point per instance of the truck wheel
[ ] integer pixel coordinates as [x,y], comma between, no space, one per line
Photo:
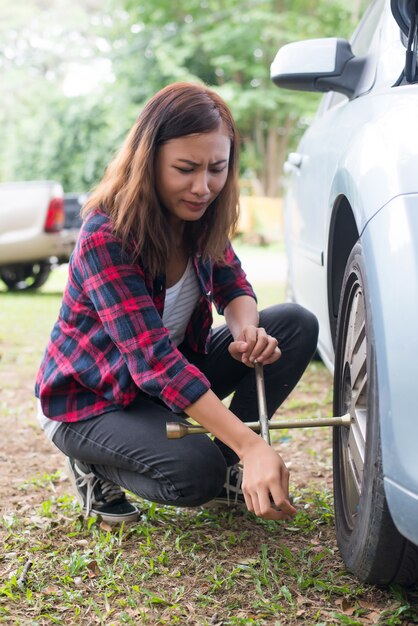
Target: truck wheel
[369,543]
[25,277]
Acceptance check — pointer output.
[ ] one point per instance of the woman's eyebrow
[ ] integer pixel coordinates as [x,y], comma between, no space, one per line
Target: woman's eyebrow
[189,162]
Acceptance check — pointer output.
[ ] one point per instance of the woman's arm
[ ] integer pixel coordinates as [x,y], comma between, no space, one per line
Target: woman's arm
[266,477]
[239,313]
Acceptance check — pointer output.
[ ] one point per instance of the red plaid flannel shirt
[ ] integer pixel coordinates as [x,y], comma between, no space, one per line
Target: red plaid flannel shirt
[109,341]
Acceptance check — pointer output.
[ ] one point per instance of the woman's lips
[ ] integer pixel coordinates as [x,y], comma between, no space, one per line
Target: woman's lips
[195,206]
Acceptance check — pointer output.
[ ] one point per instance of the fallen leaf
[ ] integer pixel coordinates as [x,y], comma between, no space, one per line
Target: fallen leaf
[40,522]
[93,569]
[367,605]
[51,589]
[248,561]
[191,609]
[350,611]
[373,617]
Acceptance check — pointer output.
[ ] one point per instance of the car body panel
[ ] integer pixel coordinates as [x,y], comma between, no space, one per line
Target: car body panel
[390,243]
[379,162]
[405,503]
[364,150]
[23,212]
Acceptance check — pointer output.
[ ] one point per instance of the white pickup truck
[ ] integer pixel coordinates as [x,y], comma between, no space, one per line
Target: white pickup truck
[33,235]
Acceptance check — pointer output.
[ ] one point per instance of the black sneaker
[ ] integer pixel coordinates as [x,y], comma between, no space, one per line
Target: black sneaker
[99,497]
[231,494]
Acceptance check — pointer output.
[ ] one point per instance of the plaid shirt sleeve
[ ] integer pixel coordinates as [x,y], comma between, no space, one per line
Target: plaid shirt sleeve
[122,306]
[229,281]
[129,316]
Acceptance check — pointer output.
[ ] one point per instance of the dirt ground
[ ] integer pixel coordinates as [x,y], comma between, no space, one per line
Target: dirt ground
[25,452]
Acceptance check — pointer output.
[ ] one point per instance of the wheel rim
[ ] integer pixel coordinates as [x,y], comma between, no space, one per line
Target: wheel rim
[354,401]
[24,277]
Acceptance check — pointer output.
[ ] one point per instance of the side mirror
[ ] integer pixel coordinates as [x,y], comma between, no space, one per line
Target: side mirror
[318,65]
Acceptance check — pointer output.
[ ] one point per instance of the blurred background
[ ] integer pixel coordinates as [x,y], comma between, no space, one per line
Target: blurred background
[74,76]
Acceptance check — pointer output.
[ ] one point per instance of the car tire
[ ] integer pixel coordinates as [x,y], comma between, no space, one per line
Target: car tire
[25,277]
[369,543]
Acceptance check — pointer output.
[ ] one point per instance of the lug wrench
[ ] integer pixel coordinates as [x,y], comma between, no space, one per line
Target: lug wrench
[262,403]
[177,430]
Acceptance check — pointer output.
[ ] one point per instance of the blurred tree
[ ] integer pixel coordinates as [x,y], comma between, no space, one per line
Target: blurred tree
[58,121]
[76,75]
[229,44]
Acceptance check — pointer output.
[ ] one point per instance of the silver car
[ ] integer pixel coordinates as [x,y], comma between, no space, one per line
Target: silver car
[352,240]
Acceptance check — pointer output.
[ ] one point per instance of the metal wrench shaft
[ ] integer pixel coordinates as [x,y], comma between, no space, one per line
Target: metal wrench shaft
[262,403]
[177,430]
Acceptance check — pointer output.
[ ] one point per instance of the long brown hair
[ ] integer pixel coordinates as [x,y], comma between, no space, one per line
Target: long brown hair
[127,191]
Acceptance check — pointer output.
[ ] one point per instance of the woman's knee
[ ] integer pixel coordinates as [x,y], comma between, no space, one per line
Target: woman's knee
[290,320]
[202,475]
[306,322]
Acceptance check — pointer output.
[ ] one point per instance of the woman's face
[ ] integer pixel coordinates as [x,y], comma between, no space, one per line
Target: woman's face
[190,172]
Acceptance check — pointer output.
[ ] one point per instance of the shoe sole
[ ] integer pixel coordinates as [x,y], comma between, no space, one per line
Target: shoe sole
[116,519]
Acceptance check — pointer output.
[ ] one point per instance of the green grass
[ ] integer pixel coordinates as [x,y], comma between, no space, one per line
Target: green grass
[183,566]
[176,566]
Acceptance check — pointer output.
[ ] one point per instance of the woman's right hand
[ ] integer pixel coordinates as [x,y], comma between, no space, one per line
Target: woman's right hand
[266,479]
[265,483]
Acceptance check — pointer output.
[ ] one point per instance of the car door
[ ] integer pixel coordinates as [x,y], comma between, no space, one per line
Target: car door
[311,191]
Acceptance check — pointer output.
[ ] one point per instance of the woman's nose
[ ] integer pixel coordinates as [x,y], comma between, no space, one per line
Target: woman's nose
[200,184]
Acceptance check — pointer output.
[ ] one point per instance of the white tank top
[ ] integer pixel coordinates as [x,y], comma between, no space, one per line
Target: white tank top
[180,300]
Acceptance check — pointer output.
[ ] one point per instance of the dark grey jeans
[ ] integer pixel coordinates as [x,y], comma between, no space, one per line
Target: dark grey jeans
[130,447]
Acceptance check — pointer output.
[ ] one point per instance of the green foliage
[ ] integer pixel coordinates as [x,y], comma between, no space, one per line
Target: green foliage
[71,141]
[229,44]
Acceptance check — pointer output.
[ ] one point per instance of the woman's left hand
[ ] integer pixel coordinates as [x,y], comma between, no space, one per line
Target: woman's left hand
[252,344]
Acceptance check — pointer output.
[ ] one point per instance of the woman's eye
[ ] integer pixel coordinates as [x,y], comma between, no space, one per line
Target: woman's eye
[189,170]
[184,170]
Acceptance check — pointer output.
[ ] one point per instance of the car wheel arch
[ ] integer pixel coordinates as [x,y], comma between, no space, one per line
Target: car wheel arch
[343,234]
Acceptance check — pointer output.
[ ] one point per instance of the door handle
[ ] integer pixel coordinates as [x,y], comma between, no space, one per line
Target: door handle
[293,163]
